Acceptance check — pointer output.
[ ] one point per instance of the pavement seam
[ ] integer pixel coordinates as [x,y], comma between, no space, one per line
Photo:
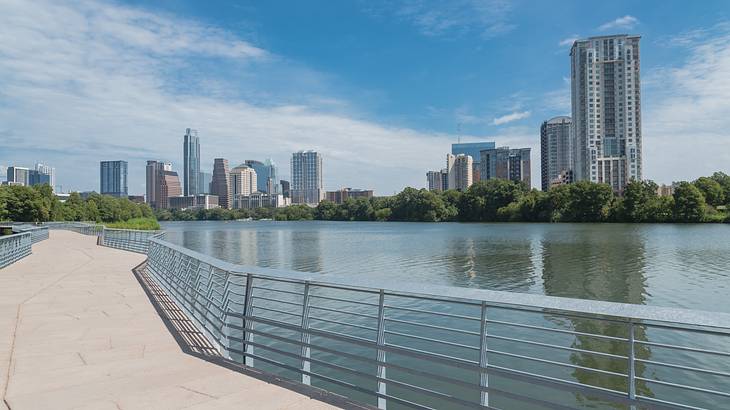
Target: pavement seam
[11,358]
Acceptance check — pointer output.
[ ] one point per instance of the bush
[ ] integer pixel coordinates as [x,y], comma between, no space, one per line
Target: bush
[141,224]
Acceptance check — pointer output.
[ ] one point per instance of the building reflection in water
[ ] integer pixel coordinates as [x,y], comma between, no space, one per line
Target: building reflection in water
[592,265]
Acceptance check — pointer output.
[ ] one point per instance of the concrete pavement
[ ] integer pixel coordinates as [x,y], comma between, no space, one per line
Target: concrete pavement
[78,331]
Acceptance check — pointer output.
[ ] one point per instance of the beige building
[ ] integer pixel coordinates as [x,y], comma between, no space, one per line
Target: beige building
[243,180]
[342,195]
[460,171]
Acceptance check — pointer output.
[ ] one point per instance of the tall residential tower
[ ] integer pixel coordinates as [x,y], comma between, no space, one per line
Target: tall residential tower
[191,162]
[113,178]
[306,178]
[556,154]
[606,110]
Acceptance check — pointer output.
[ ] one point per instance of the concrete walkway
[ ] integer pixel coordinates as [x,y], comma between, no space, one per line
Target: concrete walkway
[78,331]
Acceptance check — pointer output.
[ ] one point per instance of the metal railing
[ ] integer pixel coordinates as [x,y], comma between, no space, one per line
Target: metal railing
[37,233]
[408,345]
[126,239]
[14,247]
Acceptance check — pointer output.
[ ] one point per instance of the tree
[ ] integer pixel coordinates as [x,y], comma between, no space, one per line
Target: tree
[587,202]
[483,199]
[724,181]
[326,211]
[639,202]
[689,203]
[711,190]
[418,205]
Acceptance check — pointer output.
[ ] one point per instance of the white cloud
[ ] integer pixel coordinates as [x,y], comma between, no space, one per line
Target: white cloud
[86,81]
[626,22]
[569,40]
[687,110]
[487,18]
[511,117]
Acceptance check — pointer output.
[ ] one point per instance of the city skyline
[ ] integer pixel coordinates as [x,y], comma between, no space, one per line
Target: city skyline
[275,89]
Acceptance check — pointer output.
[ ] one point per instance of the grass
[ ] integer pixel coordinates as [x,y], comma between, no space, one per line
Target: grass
[141,224]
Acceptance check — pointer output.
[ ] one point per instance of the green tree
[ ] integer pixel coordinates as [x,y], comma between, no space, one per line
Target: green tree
[326,211]
[418,205]
[689,203]
[639,202]
[724,181]
[483,199]
[711,190]
[587,202]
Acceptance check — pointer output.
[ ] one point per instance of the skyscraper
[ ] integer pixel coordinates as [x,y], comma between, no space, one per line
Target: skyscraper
[113,178]
[306,174]
[191,161]
[435,180]
[243,180]
[506,163]
[472,149]
[221,182]
[606,110]
[204,180]
[18,175]
[47,174]
[266,173]
[153,180]
[285,188]
[169,187]
[556,156]
[463,171]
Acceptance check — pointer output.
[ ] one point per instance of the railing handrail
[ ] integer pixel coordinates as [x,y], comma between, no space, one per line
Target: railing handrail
[625,312]
[15,235]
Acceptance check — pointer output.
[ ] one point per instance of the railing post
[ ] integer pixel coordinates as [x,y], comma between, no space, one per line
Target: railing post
[382,402]
[306,337]
[632,364]
[248,324]
[483,372]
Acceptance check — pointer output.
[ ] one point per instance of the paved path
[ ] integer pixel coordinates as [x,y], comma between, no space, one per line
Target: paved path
[77,331]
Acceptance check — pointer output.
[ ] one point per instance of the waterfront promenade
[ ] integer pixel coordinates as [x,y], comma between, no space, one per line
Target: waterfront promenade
[77,330]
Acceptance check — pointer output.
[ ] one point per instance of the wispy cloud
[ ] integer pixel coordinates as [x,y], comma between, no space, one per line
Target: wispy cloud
[487,18]
[568,41]
[92,80]
[687,112]
[625,23]
[511,117]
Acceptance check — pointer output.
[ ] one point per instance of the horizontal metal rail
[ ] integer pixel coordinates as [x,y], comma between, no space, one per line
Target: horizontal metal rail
[14,248]
[283,321]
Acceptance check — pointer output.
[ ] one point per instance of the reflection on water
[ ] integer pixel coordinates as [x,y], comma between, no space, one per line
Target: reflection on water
[667,265]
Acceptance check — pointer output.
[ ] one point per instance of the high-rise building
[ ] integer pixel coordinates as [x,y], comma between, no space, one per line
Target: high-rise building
[221,185]
[113,178]
[285,188]
[152,180]
[472,149]
[47,175]
[266,173]
[461,174]
[606,110]
[18,176]
[204,181]
[306,174]
[435,180]
[506,163]
[169,187]
[191,161]
[556,154]
[243,180]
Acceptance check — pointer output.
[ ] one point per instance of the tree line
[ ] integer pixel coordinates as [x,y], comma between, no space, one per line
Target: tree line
[39,204]
[703,200]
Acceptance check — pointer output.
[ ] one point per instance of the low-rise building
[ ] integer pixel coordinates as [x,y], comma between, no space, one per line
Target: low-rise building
[342,195]
[260,200]
[203,201]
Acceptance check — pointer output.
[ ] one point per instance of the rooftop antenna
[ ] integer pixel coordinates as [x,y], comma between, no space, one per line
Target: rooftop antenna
[458,132]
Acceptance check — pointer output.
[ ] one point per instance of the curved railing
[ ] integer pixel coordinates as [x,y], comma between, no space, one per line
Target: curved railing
[411,345]
[14,247]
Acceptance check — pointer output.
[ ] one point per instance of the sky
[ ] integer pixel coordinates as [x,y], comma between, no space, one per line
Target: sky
[380,89]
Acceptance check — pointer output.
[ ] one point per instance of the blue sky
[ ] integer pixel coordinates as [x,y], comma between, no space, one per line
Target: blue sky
[378,87]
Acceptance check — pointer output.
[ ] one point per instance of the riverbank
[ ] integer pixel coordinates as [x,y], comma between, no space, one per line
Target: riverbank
[507,201]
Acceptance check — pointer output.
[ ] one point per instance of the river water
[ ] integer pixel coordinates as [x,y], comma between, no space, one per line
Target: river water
[684,266]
